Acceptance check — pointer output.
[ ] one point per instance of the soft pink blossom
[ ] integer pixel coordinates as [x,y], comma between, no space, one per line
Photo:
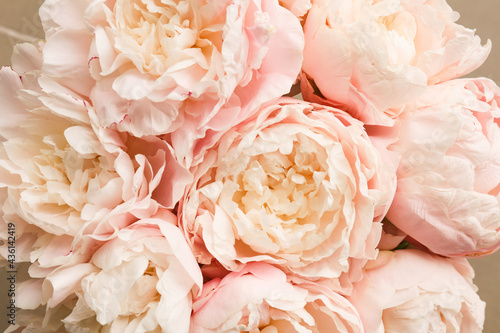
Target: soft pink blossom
[373,57]
[449,178]
[64,170]
[68,184]
[412,291]
[183,66]
[299,185]
[259,299]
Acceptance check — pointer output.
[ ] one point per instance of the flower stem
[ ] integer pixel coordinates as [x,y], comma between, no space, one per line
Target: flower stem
[17,35]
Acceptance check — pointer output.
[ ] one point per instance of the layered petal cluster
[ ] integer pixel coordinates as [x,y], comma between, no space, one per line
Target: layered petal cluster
[47,169]
[64,177]
[61,171]
[412,291]
[300,185]
[190,65]
[259,299]
[372,57]
[144,281]
[449,178]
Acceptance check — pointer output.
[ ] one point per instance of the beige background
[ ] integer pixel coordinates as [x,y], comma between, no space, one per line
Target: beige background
[482,15]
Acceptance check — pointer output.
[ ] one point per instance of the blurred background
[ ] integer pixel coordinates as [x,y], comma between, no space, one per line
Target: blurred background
[20,18]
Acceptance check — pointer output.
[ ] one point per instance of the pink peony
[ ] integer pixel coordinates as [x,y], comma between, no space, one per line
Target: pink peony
[64,171]
[259,299]
[64,177]
[412,291]
[299,185]
[372,57]
[449,178]
[177,66]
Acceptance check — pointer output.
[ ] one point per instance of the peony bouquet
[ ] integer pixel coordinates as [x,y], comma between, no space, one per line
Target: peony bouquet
[189,166]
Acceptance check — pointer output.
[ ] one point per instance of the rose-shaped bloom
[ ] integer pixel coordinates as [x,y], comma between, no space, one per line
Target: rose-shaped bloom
[259,299]
[448,180]
[63,170]
[299,185]
[412,291]
[63,177]
[373,57]
[161,65]
[145,281]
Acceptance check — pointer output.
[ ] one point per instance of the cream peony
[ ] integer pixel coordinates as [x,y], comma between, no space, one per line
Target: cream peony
[259,299]
[64,171]
[300,185]
[371,57]
[51,156]
[142,280]
[145,280]
[182,66]
[412,291]
[67,184]
[449,178]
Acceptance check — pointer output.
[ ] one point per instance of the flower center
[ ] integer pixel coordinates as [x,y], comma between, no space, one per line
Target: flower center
[281,184]
[403,24]
[164,33]
[62,174]
[284,195]
[143,293]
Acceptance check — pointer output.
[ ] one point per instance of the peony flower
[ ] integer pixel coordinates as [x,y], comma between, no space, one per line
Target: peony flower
[144,281]
[62,169]
[299,185]
[373,57]
[45,165]
[449,178]
[412,291]
[178,65]
[259,299]
[67,184]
